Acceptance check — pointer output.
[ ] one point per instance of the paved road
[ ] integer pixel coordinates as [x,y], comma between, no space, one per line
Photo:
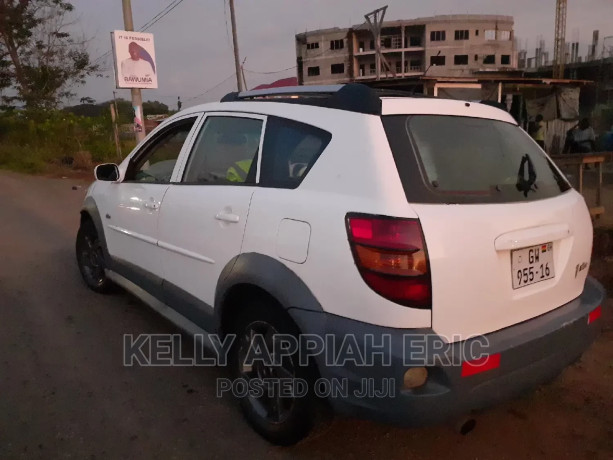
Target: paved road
[64,392]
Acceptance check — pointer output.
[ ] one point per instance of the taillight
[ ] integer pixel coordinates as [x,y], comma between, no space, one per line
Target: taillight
[390,254]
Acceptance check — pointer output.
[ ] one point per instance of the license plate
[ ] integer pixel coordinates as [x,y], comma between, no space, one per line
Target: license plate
[531,265]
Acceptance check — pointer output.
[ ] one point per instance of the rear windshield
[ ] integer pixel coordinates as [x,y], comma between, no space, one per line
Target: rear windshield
[469,160]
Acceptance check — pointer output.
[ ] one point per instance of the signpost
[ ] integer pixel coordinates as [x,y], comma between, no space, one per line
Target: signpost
[135,66]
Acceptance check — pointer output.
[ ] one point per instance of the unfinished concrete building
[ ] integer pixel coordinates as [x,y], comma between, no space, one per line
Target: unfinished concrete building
[454,46]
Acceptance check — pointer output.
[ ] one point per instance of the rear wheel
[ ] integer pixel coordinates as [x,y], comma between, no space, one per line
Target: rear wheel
[90,258]
[281,419]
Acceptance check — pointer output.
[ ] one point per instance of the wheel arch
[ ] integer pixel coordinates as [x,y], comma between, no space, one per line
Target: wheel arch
[89,211]
[257,274]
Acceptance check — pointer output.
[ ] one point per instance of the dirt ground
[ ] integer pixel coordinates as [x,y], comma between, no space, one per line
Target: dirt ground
[64,392]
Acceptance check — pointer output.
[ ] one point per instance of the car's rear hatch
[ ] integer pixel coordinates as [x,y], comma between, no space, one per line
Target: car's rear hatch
[507,238]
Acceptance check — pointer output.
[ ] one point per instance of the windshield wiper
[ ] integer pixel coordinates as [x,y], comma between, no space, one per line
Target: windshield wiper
[526,185]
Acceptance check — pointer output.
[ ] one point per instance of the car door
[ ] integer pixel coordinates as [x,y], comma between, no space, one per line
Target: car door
[204,215]
[132,206]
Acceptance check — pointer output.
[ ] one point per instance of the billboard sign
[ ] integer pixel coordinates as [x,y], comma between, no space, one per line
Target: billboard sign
[134,59]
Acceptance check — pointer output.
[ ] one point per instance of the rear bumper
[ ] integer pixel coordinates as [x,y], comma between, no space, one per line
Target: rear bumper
[531,353]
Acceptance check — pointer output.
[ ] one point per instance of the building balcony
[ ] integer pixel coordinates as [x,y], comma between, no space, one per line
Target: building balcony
[414,49]
[372,74]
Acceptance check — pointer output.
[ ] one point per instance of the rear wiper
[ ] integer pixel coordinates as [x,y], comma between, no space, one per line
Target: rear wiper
[526,185]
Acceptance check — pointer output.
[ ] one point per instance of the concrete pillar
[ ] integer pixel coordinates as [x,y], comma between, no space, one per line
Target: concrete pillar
[402,53]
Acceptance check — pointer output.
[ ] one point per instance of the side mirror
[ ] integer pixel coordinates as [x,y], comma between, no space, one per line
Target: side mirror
[107,172]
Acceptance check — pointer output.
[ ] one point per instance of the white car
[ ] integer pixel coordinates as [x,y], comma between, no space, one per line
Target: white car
[433,235]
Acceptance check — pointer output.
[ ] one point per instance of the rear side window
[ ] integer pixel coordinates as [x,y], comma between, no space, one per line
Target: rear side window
[290,150]
[447,159]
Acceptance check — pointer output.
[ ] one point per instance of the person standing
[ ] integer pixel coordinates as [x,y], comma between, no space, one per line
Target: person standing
[539,131]
[584,137]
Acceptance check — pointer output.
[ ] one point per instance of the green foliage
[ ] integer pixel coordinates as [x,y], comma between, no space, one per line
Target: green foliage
[39,61]
[154,108]
[30,141]
[126,113]
[88,110]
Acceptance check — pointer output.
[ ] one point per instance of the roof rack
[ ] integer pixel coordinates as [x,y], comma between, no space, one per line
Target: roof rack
[353,97]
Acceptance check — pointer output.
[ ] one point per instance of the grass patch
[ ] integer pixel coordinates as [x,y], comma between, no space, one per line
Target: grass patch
[34,142]
[24,159]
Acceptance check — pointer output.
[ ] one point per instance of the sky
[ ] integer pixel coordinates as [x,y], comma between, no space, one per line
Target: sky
[193,42]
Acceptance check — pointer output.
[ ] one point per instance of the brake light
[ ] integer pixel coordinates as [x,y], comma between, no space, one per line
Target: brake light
[391,255]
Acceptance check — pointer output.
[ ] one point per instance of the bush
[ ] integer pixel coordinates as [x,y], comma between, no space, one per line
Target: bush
[30,141]
[22,159]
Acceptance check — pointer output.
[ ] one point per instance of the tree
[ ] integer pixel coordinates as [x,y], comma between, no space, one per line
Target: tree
[154,108]
[124,109]
[39,60]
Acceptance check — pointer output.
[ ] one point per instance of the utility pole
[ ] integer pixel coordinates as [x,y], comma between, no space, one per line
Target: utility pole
[114,118]
[239,83]
[375,22]
[116,132]
[243,74]
[137,98]
[115,102]
[601,71]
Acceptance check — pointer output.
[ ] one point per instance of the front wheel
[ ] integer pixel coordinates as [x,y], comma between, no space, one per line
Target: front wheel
[90,258]
[281,419]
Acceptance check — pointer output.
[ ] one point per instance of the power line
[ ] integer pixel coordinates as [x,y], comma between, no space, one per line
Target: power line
[154,22]
[212,88]
[161,96]
[166,8]
[150,23]
[269,73]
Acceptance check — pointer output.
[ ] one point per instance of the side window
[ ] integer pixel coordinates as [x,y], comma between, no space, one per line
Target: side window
[225,152]
[157,159]
[290,150]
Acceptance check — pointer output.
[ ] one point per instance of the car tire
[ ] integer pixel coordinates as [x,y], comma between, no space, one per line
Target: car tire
[90,258]
[281,421]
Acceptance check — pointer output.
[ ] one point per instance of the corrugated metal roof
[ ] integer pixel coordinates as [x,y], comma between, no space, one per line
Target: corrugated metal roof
[291,81]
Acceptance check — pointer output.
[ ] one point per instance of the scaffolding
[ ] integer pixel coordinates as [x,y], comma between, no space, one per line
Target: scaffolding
[559,54]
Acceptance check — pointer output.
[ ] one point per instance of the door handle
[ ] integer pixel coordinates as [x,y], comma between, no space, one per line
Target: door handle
[154,205]
[227,217]
[532,236]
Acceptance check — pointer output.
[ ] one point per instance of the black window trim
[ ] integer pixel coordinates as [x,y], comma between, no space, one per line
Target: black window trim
[149,143]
